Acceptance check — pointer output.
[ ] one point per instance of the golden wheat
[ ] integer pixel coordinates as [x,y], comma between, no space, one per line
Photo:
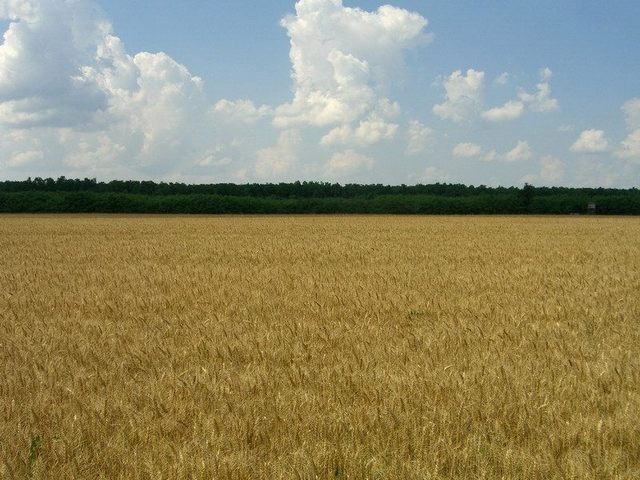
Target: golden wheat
[319,347]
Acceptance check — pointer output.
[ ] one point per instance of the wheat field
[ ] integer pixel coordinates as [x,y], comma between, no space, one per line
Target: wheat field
[319,347]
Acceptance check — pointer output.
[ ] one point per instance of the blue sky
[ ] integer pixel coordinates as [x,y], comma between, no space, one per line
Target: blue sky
[480,92]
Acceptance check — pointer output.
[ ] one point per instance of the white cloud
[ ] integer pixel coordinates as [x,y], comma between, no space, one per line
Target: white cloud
[509,111]
[632,113]
[166,104]
[67,83]
[44,46]
[522,151]
[243,111]
[418,138]
[369,132]
[374,129]
[342,58]
[467,150]
[339,135]
[107,113]
[630,149]
[74,101]
[591,141]
[541,100]
[463,96]
[279,160]
[347,163]
[156,107]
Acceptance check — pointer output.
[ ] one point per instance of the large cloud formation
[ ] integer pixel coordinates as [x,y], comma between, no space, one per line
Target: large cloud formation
[85,105]
[342,60]
[74,101]
[41,59]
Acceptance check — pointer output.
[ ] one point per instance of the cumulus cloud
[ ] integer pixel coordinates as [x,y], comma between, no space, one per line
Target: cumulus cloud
[509,111]
[343,164]
[342,58]
[67,83]
[156,108]
[463,96]
[74,101]
[242,111]
[45,46]
[279,160]
[467,150]
[374,129]
[522,151]
[541,100]
[591,141]
[105,112]
[369,131]
[418,137]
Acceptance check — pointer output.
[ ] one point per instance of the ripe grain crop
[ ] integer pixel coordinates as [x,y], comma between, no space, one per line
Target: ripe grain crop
[319,347]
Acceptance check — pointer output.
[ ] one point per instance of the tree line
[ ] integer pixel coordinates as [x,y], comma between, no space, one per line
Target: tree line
[65,195]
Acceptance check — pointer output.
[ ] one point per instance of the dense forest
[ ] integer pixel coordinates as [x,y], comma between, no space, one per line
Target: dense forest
[65,195]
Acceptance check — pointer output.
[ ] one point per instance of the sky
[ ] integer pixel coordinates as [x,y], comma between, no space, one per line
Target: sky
[493,92]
